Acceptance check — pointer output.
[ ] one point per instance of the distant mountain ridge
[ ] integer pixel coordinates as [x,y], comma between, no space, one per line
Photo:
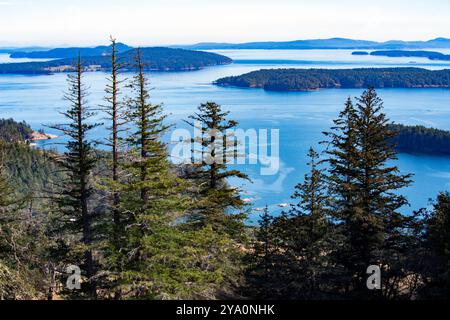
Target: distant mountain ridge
[332,43]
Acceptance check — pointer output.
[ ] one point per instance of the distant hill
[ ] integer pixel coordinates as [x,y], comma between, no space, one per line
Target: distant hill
[60,53]
[333,43]
[156,59]
[313,79]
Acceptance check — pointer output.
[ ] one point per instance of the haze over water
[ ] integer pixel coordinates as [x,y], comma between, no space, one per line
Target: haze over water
[300,116]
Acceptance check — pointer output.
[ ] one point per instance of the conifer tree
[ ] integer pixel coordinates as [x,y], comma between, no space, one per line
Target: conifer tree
[78,162]
[116,112]
[436,255]
[310,229]
[152,194]
[364,184]
[260,262]
[216,147]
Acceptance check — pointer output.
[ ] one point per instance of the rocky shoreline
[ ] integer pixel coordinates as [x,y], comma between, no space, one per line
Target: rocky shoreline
[39,136]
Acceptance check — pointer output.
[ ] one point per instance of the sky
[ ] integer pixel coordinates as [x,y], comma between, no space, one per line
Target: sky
[163,22]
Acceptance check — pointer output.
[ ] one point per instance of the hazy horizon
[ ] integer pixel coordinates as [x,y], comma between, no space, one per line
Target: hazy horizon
[54,23]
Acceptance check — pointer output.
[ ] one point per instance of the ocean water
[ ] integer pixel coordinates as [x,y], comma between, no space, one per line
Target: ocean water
[301,117]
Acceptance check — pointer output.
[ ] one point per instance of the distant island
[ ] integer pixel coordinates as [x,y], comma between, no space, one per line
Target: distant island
[333,43]
[314,79]
[360,53]
[60,53]
[156,59]
[432,55]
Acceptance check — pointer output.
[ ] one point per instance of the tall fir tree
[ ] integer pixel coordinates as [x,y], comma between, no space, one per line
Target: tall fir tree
[211,154]
[152,194]
[78,161]
[116,111]
[365,184]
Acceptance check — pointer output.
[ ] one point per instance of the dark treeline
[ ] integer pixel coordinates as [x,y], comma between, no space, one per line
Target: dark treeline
[138,227]
[313,79]
[432,55]
[420,139]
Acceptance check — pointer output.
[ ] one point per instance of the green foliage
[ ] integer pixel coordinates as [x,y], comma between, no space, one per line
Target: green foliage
[78,161]
[291,253]
[12,131]
[436,254]
[364,186]
[217,200]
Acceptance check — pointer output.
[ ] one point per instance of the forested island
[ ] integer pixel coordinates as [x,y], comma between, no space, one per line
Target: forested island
[421,140]
[432,55]
[156,59]
[72,52]
[314,79]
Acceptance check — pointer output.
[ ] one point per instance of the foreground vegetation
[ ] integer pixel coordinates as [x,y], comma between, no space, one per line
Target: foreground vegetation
[138,227]
[313,79]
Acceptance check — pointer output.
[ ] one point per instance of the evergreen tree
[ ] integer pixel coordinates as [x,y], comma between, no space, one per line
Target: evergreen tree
[364,184]
[311,242]
[215,148]
[152,194]
[436,271]
[78,162]
[116,111]
[260,262]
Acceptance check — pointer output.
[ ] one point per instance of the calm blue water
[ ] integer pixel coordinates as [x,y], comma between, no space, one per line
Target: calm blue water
[300,116]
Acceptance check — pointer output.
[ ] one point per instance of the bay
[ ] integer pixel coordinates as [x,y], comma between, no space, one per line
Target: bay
[300,116]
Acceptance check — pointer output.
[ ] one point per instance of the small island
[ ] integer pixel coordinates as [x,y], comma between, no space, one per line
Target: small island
[360,53]
[314,79]
[431,55]
[155,58]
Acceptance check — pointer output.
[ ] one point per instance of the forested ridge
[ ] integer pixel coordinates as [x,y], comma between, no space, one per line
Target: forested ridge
[139,227]
[156,59]
[314,79]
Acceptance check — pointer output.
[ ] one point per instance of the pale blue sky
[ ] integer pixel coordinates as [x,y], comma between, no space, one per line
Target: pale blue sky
[154,22]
